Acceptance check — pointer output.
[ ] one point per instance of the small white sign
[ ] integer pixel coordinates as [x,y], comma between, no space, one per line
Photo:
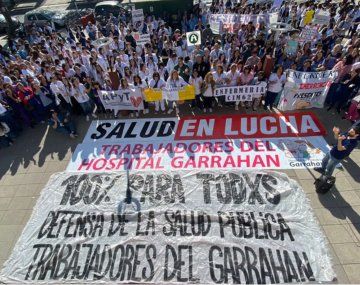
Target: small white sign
[193,38]
[141,39]
[137,15]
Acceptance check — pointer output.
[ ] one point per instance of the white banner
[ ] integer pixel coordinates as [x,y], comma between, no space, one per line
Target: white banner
[179,227]
[273,18]
[308,34]
[210,142]
[216,27]
[232,22]
[228,22]
[305,90]
[137,15]
[141,39]
[275,153]
[137,18]
[128,99]
[241,93]
[321,18]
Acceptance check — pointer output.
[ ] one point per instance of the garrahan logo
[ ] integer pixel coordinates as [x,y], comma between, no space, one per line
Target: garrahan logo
[87,189]
[298,149]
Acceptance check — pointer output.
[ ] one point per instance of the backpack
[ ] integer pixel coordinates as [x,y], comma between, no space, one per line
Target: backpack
[324,183]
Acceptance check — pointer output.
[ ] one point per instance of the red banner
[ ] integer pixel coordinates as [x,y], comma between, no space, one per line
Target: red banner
[304,124]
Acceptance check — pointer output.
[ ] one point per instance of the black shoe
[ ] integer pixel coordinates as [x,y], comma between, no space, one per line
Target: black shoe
[320,170]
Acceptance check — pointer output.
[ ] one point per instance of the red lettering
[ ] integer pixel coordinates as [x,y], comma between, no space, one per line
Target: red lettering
[190,162]
[137,149]
[246,146]
[242,126]
[229,162]
[122,162]
[273,161]
[203,161]
[85,163]
[241,160]
[259,146]
[114,149]
[215,161]
[104,148]
[99,164]
[258,161]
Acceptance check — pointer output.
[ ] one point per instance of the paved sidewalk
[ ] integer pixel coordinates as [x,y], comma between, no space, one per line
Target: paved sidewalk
[26,167]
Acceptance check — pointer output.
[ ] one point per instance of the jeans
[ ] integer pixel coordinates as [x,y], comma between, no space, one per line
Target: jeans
[270,99]
[10,121]
[329,163]
[67,128]
[87,107]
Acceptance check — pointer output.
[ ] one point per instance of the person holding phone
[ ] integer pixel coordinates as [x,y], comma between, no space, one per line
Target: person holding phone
[346,142]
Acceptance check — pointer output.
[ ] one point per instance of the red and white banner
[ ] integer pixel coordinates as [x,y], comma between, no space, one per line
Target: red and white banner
[304,90]
[266,141]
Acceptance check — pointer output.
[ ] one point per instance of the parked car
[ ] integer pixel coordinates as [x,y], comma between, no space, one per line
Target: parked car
[4,25]
[58,18]
[104,8]
[161,7]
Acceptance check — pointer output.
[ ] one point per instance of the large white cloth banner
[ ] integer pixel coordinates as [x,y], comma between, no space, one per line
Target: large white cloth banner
[274,153]
[232,22]
[241,93]
[201,227]
[305,90]
[128,99]
[267,141]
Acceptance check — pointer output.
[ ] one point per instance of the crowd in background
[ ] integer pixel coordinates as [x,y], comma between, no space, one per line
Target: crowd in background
[48,76]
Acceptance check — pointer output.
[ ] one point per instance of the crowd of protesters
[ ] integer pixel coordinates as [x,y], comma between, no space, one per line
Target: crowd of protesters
[50,76]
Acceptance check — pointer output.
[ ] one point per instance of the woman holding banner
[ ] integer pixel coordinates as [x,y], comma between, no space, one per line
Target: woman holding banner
[140,84]
[245,78]
[260,78]
[78,91]
[275,84]
[174,83]
[158,83]
[197,81]
[124,85]
[220,80]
